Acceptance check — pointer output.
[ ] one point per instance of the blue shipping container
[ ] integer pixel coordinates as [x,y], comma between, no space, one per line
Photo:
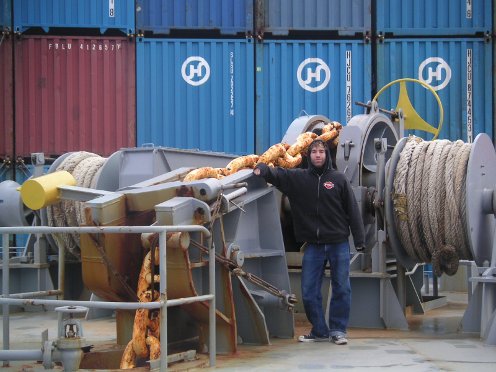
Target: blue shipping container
[459,70]
[434,17]
[100,14]
[227,16]
[319,77]
[5,15]
[6,173]
[346,17]
[196,94]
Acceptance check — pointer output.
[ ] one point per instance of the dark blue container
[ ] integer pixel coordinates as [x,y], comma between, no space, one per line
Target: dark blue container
[344,17]
[196,93]
[459,70]
[228,17]
[434,17]
[316,77]
[5,15]
[6,173]
[99,14]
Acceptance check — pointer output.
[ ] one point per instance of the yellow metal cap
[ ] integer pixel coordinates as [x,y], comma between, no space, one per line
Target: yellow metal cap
[37,193]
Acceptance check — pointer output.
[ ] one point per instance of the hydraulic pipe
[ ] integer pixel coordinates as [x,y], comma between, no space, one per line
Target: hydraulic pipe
[12,355]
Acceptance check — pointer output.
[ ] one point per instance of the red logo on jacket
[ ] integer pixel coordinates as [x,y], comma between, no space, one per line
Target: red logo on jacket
[328,185]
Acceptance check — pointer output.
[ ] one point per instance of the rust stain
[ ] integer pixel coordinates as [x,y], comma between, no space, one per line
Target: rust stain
[199,216]
[184,191]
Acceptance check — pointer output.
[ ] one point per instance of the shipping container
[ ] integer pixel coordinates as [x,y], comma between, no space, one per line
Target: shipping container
[434,17]
[227,17]
[314,77]
[459,70]
[194,93]
[7,170]
[24,171]
[74,93]
[5,15]
[343,17]
[6,106]
[99,14]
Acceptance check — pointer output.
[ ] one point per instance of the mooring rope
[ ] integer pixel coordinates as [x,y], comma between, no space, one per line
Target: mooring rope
[430,204]
[400,202]
[413,187]
[84,167]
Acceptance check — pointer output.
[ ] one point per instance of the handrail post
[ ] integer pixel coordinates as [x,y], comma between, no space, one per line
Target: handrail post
[61,272]
[5,292]
[162,244]
[211,310]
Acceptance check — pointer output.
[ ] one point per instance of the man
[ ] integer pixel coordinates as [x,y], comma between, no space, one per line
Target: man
[324,210]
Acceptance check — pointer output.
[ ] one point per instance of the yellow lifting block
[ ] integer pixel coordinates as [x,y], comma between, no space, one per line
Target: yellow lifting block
[37,193]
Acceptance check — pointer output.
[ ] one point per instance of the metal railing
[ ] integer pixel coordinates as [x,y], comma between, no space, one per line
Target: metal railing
[7,299]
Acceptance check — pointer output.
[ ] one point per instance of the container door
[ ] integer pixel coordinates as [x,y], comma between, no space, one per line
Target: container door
[226,17]
[5,15]
[434,17]
[7,159]
[196,94]
[74,94]
[459,70]
[296,78]
[51,14]
[310,17]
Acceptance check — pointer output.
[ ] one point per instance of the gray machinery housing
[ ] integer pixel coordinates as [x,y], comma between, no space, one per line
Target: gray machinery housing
[384,280]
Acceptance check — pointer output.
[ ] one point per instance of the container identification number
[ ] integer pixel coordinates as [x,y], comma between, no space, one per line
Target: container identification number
[111,8]
[94,47]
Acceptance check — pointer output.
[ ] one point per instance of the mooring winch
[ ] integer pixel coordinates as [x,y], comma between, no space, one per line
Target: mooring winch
[421,202]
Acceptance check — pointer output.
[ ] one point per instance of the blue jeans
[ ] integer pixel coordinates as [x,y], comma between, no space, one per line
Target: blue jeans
[314,261]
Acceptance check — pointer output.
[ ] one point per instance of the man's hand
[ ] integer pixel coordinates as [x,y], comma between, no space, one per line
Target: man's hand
[360,248]
[256,172]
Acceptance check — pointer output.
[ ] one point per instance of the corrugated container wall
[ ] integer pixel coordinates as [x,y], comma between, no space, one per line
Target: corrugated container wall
[459,70]
[6,108]
[5,15]
[434,17]
[100,14]
[282,17]
[226,16]
[316,77]
[74,93]
[196,94]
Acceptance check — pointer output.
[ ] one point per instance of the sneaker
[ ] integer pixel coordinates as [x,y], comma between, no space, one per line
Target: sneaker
[339,340]
[312,338]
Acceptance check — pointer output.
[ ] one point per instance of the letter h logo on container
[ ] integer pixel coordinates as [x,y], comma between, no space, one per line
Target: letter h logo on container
[315,68]
[195,70]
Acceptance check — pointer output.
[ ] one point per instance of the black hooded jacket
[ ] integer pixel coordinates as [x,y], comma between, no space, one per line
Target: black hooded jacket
[323,207]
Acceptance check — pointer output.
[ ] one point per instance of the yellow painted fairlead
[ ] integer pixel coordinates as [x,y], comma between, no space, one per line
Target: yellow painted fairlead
[39,192]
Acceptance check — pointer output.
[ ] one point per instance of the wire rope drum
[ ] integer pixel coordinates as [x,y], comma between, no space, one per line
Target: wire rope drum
[439,202]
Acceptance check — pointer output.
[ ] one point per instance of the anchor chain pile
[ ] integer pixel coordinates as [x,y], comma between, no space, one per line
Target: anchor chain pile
[145,341]
[280,154]
[430,203]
